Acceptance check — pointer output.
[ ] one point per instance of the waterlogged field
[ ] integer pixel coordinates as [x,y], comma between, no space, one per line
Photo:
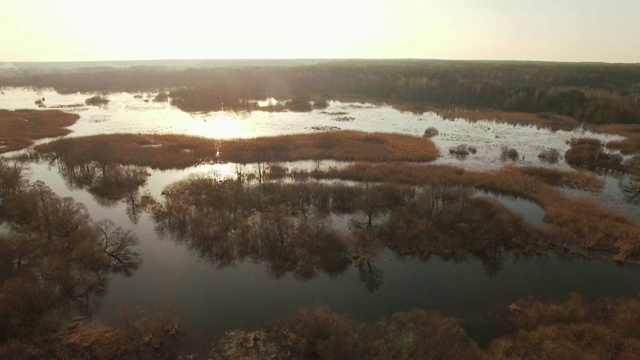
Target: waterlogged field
[234,242]
[126,114]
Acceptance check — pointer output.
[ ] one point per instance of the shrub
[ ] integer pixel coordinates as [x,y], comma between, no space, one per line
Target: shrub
[507,153]
[299,104]
[588,153]
[320,103]
[318,333]
[96,100]
[421,334]
[161,97]
[549,155]
[460,150]
[431,132]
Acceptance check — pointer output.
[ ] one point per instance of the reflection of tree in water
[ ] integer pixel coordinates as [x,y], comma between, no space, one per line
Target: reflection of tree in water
[108,183]
[227,222]
[137,204]
[55,260]
[370,275]
[630,187]
[285,225]
[367,246]
[456,226]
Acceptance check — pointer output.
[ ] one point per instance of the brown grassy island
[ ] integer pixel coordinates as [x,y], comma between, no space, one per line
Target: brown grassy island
[179,151]
[20,128]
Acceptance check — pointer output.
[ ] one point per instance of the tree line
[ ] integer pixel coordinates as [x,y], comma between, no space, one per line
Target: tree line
[593,93]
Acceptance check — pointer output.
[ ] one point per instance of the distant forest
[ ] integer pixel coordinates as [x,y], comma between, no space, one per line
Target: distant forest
[591,92]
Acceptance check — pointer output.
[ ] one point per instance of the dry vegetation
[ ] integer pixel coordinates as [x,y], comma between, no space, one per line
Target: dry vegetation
[55,263]
[553,121]
[589,153]
[19,128]
[631,144]
[574,329]
[342,145]
[420,174]
[179,151]
[319,333]
[579,221]
[156,151]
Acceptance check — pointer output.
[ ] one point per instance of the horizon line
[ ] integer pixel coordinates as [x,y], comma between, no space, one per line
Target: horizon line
[314,59]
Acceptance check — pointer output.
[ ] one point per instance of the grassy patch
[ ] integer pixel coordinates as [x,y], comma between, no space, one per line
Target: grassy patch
[156,151]
[19,128]
[552,121]
[179,151]
[342,145]
[631,144]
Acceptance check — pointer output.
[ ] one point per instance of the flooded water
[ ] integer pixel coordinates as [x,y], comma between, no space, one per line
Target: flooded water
[529,210]
[126,114]
[210,299]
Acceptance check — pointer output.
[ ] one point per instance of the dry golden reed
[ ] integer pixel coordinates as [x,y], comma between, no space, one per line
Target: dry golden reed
[631,132]
[19,128]
[179,151]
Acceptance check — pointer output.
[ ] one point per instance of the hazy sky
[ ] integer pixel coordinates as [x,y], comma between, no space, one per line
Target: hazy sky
[560,30]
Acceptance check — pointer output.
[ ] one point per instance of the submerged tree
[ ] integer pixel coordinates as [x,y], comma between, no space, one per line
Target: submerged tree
[56,261]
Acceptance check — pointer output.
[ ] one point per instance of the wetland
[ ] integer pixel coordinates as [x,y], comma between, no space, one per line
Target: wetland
[143,223]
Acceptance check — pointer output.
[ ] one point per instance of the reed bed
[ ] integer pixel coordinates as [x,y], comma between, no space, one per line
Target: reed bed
[19,128]
[553,121]
[156,151]
[571,179]
[340,145]
[631,144]
[180,151]
[581,221]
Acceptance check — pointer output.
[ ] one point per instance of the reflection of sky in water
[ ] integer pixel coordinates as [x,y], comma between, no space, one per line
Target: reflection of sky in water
[210,300]
[126,114]
[529,210]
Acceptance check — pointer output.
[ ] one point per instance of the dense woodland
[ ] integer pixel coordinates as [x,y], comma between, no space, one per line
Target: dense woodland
[593,93]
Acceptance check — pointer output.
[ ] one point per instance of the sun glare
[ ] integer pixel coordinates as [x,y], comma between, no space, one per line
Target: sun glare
[196,29]
[74,30]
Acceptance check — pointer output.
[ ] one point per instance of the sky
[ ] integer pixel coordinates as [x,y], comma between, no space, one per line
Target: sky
[551,30]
